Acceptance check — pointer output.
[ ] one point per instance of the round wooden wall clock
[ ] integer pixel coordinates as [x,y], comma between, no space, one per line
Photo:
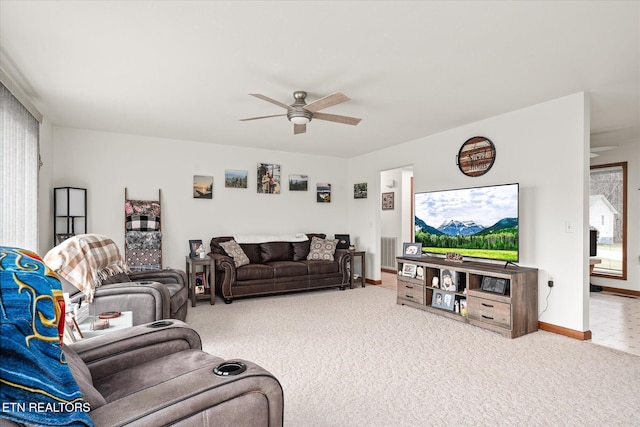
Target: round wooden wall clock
[476,156]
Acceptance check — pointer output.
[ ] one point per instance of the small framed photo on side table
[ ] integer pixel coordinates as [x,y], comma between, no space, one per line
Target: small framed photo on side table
[194,245]
[412,250]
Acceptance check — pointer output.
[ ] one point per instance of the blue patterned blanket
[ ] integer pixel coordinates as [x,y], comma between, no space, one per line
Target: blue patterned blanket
[36,385]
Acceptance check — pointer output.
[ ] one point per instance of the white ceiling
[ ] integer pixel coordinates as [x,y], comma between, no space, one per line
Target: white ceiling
[184,69]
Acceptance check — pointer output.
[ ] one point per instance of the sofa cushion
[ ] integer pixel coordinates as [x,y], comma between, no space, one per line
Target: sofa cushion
[253,252]
[276,251]
[301,249]
[322,267]
[289,269]
[254,272]
[233,249]
[322,249]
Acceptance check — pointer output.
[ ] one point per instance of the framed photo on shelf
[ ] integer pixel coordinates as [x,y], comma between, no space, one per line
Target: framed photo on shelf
[412,250]
[201,280]
[443,300]
[494,285]
[409,270]
[449,280]
[194,245]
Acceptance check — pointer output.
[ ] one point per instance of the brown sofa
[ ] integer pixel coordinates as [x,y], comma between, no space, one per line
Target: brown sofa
[276,267]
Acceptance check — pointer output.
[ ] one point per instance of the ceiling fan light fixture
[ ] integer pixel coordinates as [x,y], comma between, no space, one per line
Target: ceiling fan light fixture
[300,120]
[299,116]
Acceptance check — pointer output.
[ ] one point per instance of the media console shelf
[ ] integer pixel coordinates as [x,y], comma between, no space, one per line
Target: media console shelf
[491,296]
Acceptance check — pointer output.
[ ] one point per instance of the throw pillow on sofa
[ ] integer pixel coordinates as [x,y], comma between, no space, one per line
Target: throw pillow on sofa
[233,249]
[322,249]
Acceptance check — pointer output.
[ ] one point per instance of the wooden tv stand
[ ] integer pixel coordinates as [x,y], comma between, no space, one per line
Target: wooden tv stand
[513,314]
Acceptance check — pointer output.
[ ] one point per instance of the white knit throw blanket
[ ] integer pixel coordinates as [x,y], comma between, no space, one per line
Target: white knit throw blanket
[264,238]
[86,260]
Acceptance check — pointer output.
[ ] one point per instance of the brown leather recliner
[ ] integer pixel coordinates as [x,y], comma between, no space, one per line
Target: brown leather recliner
[148,375]
[150,295]
[92,265]
[156,374]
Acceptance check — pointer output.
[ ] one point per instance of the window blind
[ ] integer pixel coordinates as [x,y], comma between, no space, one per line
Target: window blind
[19,132]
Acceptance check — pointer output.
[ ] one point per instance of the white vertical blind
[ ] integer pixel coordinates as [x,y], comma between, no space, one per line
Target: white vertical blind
[19,176]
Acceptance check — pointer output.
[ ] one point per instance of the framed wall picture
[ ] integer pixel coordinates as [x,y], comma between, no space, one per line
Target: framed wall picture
[412,250]
[443,300]
[268,178]
[194,245]
[323,193]
[298,182]
[235,179]
[409,270]
[387,201]
[202,187]
[360,190]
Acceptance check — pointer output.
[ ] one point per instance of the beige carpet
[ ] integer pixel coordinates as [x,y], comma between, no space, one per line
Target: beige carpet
[356,358]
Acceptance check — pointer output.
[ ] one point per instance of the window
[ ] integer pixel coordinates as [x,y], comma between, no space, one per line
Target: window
[19,163]
[608,215]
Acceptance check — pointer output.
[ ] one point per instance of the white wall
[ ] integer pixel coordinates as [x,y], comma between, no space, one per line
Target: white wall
[106,163]
[545,149]
[629,153]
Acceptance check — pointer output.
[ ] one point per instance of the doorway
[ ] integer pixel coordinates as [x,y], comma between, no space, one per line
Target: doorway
[396,220]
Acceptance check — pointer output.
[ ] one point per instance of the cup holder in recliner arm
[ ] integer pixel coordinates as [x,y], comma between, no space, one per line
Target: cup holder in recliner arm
[145,282]
[229,368]
[160,324]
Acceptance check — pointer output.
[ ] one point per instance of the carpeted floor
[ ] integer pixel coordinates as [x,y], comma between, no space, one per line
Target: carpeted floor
[356,358]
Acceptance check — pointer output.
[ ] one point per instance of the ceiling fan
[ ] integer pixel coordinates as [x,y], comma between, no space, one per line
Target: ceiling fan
[300,113]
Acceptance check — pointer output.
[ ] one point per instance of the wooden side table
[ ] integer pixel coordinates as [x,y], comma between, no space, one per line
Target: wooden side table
[361,279]
[208,268]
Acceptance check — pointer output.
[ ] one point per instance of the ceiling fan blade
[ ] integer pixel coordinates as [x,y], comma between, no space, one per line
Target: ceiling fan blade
[336,118]
[262,117]
[299,129]
[326,102]
[271,100]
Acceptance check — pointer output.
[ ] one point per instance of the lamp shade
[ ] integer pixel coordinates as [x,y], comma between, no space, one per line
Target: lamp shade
[71,201]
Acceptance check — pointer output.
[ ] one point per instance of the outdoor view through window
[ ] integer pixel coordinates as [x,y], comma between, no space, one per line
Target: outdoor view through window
[607,215]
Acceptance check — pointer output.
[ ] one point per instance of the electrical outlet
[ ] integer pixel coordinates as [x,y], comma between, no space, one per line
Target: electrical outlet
[550,282]
[568,227]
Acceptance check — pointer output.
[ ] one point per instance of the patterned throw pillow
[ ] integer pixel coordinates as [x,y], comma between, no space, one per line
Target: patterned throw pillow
[233,249]
[322,249]
[143,223]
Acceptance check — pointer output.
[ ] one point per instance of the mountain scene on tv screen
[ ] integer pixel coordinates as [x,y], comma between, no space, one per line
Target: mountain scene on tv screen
[480,223]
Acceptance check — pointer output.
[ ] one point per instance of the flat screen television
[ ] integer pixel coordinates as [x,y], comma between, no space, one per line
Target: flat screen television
[479,222]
